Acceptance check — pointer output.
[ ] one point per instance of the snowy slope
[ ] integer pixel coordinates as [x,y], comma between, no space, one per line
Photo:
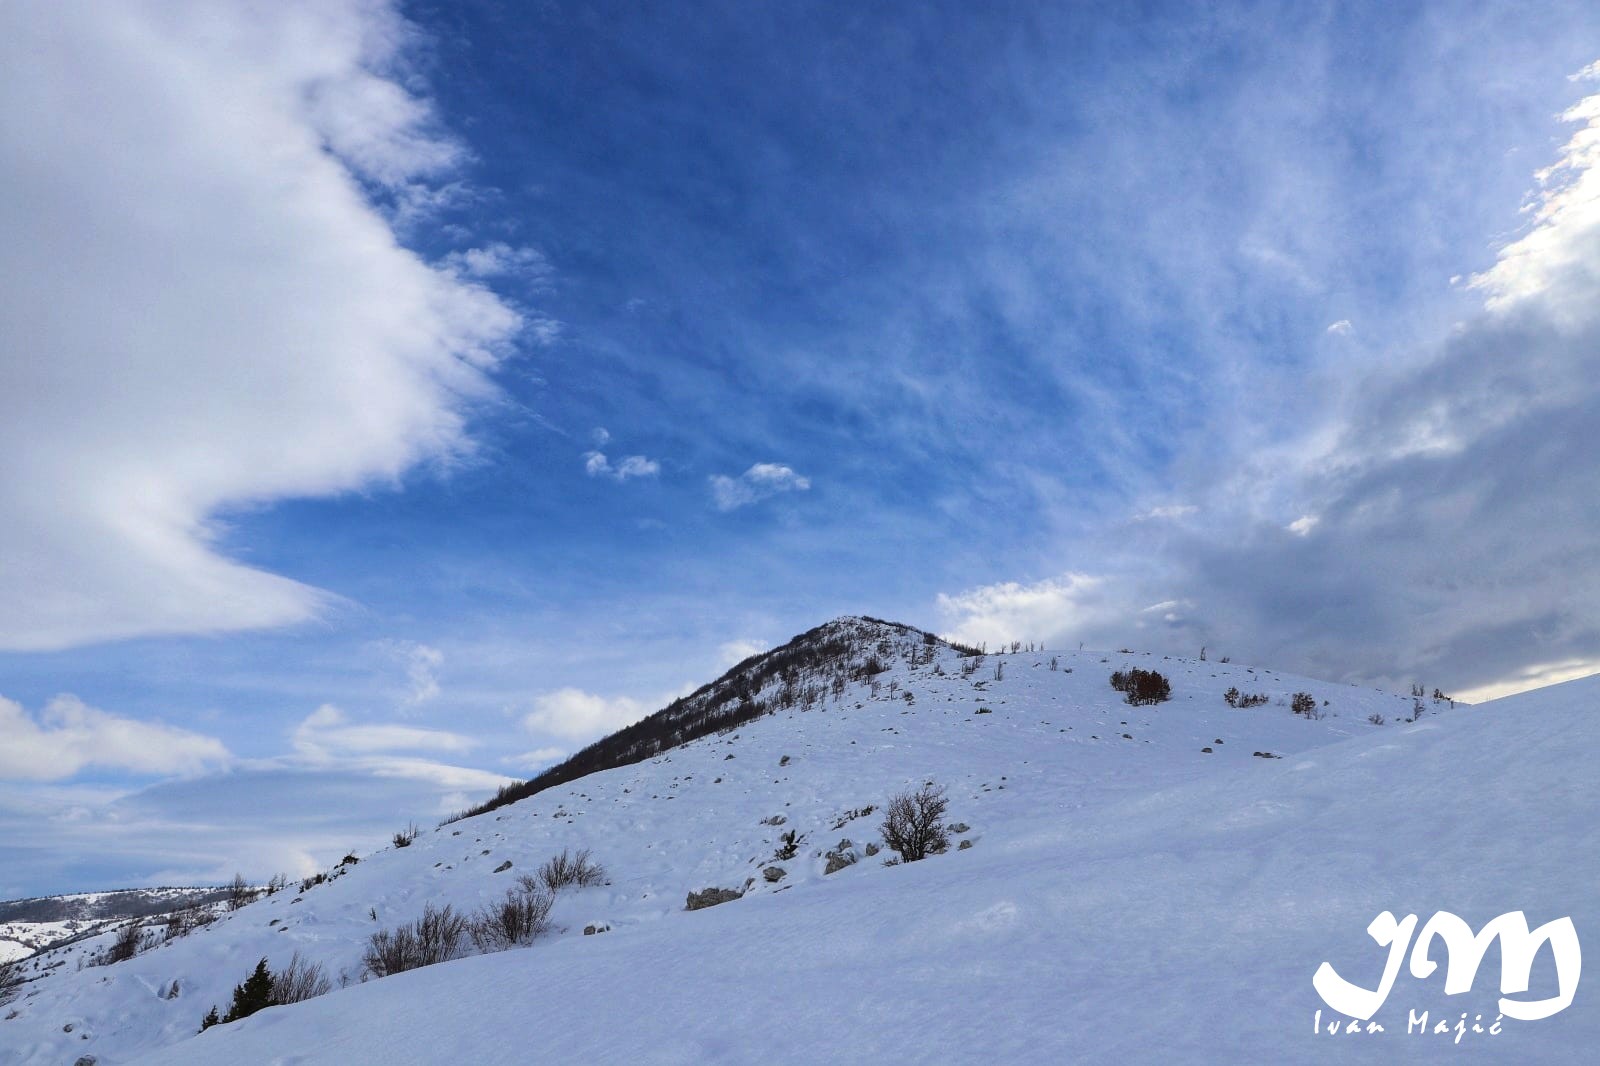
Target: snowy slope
[1127,897]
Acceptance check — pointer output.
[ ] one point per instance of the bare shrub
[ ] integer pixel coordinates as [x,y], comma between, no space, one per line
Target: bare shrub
[913,823]
[239,892]
[188,918]
[437,936]
[404,838]
[568,868]
[299,981]
[1305,703]
[514,921]
[10,980]
[125,946]
[1375,719]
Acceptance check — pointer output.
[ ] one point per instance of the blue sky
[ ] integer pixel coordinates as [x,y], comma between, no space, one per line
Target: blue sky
[398,397]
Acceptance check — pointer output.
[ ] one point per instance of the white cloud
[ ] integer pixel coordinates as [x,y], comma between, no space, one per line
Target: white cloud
[1341,328]
[537,759]
[595,464]
[759,482]
[421,663]
[422,666]
[1071,606]
[1168,512]
[601,436]
[69,736]
[1303,525]
[737,651]
[575,715]
[202,307]
[499,260]
[327,733]
[1555,258]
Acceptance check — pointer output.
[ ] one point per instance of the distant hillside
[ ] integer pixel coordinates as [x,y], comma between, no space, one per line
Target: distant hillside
[30,925]
[106,906]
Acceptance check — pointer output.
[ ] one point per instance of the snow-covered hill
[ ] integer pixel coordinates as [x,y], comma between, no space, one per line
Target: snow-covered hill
[30,925]
[1127,896]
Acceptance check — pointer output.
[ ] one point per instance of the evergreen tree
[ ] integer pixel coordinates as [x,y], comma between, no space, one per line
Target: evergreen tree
[253,995]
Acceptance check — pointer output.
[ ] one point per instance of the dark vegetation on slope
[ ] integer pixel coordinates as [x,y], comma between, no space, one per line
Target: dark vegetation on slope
[123,903]
[804,672]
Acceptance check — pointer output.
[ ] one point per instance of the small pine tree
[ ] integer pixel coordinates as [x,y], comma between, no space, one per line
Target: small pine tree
[1141,686]
[255,994]
[210,1019]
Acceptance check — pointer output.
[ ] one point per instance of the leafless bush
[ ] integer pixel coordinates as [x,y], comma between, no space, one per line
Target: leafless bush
[437,936]
[1375,719]
[125,946]
[516,920]
[188,918]
[239,892]
[913,824]
[10,980]
[299,981]
[571,869]
[404,838]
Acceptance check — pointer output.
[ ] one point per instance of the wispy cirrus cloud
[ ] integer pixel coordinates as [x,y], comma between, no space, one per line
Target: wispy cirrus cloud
[329,733]
[1440,527]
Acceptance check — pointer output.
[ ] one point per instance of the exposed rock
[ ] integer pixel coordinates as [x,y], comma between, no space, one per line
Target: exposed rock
[965,844]
[503,867]
[872,849]
[709,897]
[774,873]
[960,827]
